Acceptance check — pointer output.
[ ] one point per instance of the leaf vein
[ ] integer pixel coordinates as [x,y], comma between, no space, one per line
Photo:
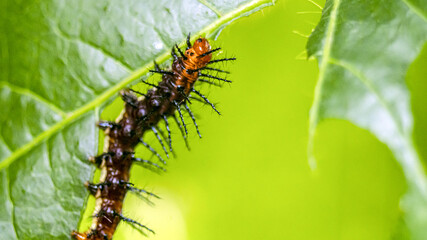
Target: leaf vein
[49,157]
[9,189]
[368,83]
[33,95]
[211,7]
[5,143]
[105,52]
[160,37]
[81,82]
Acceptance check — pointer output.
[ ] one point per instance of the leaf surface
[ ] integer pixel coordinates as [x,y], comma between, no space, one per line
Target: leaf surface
[364,49]
[60,62]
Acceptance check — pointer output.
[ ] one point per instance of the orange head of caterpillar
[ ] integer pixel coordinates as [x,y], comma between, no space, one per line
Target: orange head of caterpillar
[197,53]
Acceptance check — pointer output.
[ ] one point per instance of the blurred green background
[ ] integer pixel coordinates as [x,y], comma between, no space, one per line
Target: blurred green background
[248,177]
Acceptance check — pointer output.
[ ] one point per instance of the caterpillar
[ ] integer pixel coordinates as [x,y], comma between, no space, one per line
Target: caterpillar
[142,113]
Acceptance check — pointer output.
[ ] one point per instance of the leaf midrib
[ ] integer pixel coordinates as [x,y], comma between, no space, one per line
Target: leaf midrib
[232,15]
[416,10]
[318,90]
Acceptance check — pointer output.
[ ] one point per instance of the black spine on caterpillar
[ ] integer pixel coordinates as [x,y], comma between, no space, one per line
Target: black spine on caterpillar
[143,114]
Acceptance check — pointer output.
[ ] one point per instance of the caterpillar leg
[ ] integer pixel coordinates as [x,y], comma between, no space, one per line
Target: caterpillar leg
[100,158]
[79,236]
[129,98]
[107,124]
[92,235]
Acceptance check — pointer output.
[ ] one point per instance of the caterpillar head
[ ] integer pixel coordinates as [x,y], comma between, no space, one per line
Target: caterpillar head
[195,53]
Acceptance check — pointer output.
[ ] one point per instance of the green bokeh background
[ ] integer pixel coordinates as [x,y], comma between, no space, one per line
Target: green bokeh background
[248,177]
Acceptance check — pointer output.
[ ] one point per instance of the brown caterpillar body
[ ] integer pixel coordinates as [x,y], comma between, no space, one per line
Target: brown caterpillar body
[139,115]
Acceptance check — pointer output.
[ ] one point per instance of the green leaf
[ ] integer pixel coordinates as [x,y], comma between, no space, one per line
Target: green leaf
[60,62]
[364,49]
